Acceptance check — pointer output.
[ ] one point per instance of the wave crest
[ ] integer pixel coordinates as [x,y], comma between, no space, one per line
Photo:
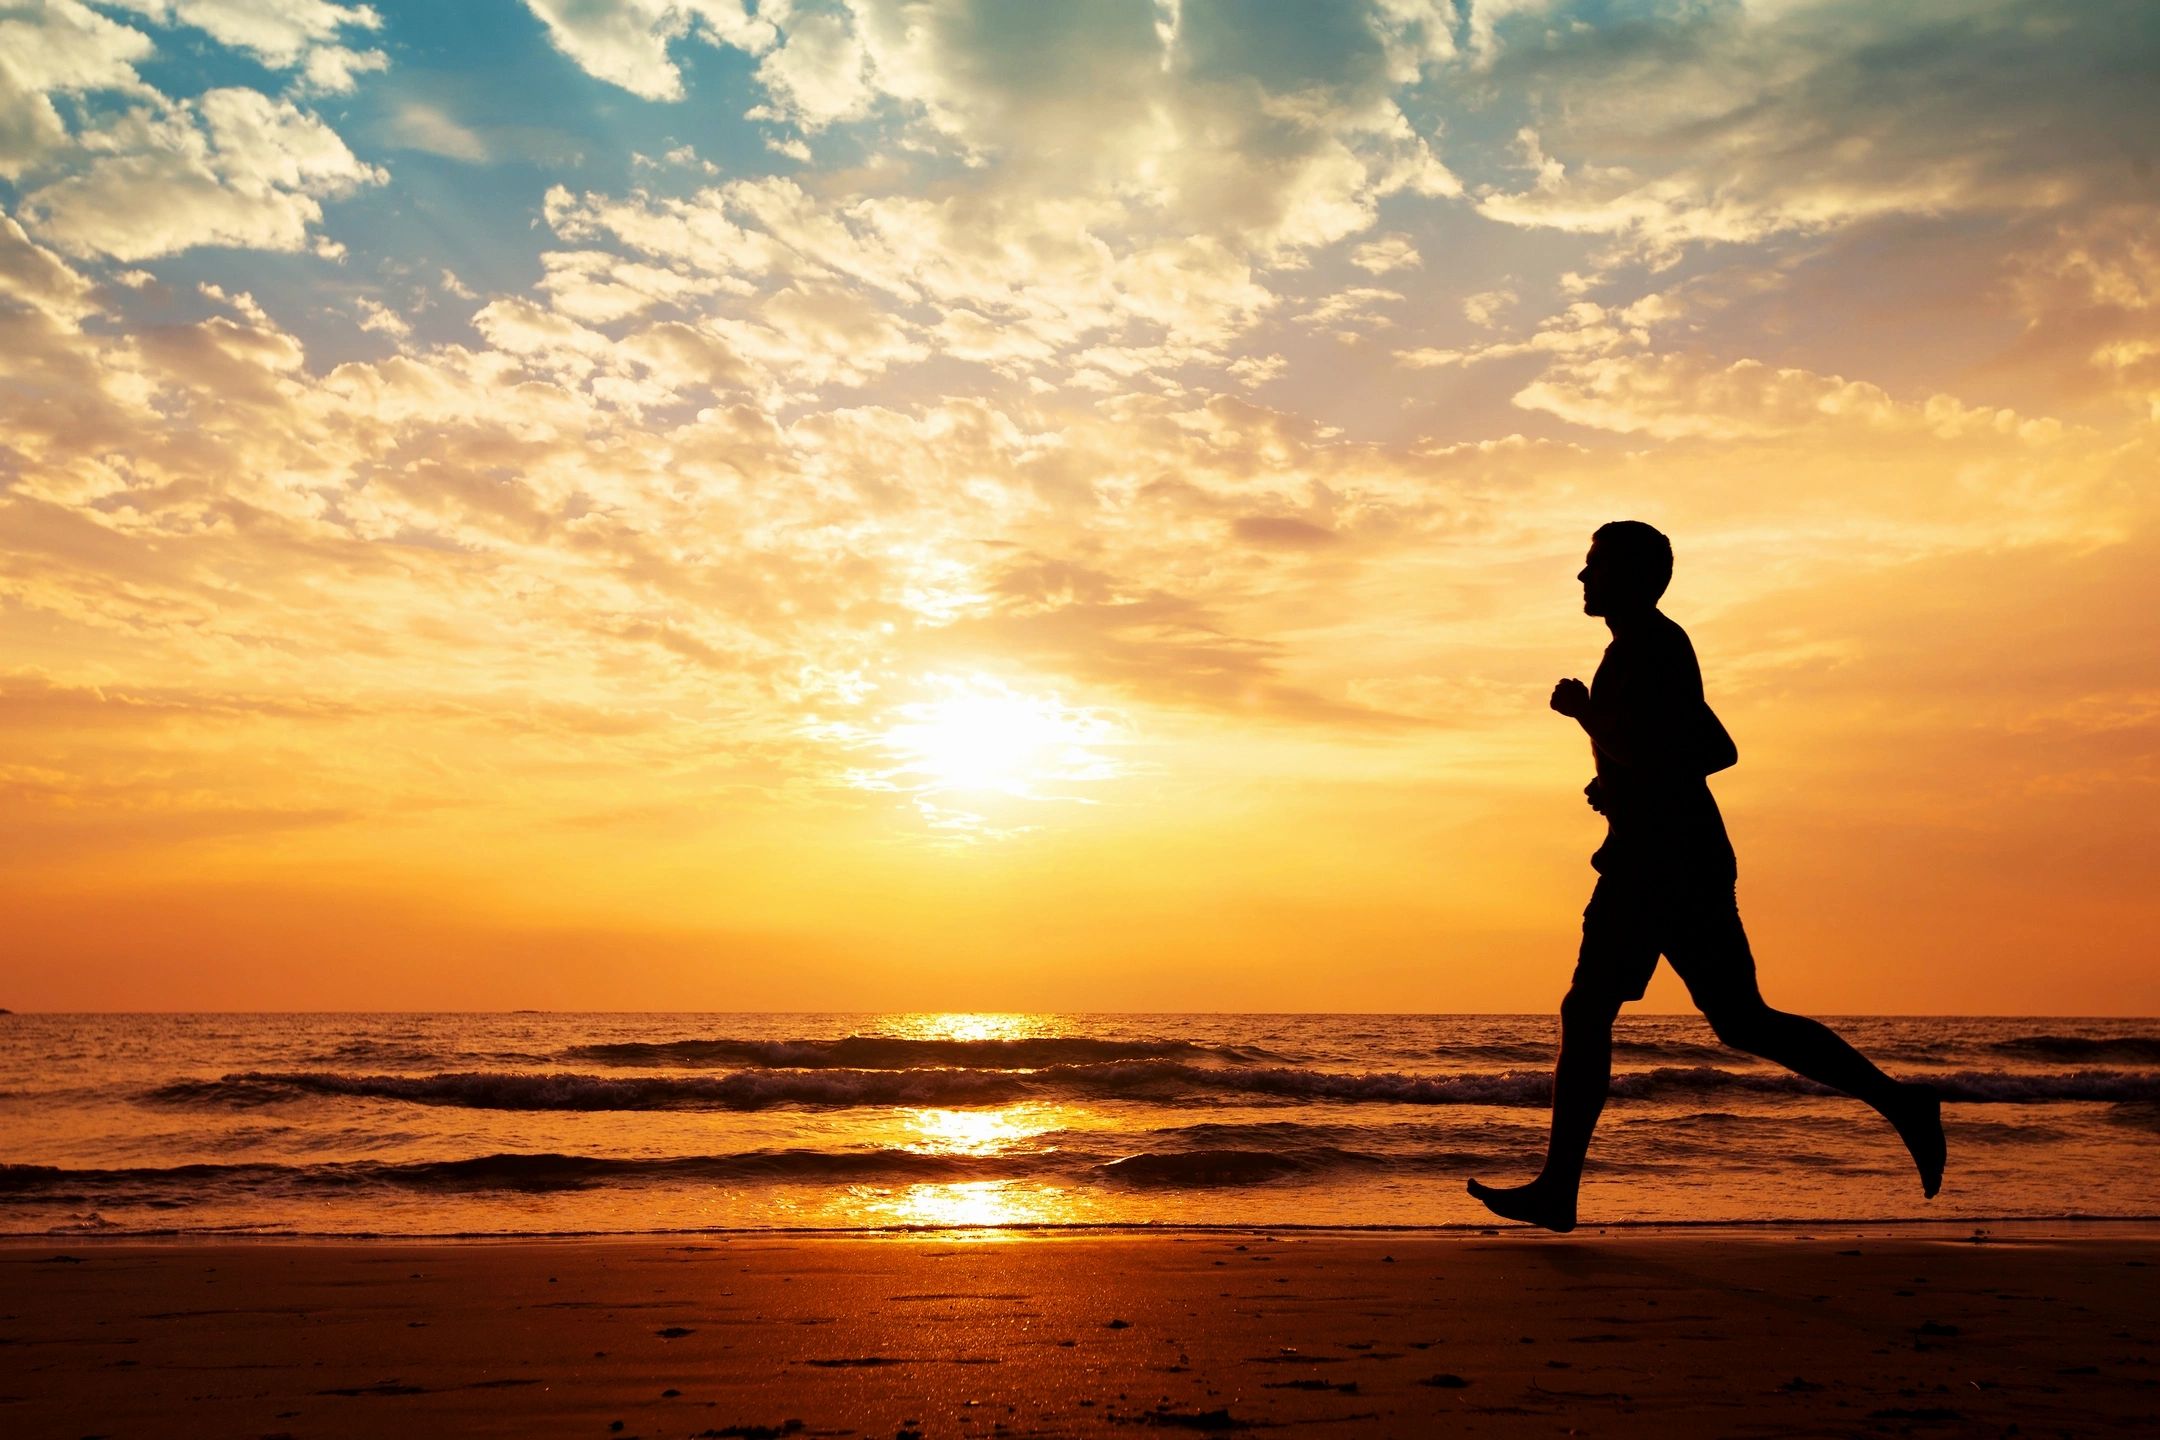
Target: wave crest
[529,1172]
[1209,1169]
[1121,1080]
[2134,1049]
[893,1052]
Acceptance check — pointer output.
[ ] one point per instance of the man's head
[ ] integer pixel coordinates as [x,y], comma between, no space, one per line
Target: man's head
[1628,568]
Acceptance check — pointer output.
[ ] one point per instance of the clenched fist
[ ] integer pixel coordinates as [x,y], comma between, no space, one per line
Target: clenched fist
[1571,698]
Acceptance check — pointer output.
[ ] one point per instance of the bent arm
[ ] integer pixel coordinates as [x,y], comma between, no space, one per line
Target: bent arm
[1718,750]
[1657,721]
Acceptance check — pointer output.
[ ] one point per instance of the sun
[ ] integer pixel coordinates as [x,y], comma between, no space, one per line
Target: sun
[980,736]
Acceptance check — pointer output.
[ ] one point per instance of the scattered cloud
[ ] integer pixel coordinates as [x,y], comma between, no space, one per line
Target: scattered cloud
[1386,253]
[61,48]
[1676,396]
[420,125]
[282,34]
[626,42]
[231,167]
[1730,124]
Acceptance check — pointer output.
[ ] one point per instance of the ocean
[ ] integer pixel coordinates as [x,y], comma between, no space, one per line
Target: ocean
[548,1123]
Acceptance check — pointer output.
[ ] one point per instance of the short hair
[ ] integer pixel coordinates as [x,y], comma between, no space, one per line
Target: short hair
[1641,551]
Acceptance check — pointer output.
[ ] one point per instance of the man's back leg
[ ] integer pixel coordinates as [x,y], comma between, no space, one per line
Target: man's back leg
[1714,959]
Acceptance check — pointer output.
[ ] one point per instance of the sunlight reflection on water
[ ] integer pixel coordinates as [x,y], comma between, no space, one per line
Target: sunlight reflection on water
[981,1132]
[973,1025]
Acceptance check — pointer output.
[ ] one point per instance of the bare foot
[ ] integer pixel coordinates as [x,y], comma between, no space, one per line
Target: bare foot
[1534,1204]
[1919,1124]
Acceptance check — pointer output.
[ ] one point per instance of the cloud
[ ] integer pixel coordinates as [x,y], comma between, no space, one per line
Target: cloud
[1360,308]
[427,127]
[1149,644]
[784,270]
[625,42]
[335,70]
[1482,308]
[1483,19]
[1283,530]
[1264,131]
[1130,195]
[34,276]
[2089,296]
[231,167]
[597,287]
[280,33]
[817,75]
[303,35]
[1583,328]
[1730,124]
[376,317]
[1385,253]
[1679,396]
[60,48]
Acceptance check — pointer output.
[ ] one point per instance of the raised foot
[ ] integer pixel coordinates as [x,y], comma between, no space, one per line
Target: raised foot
[1918,1119]
[1533,1204]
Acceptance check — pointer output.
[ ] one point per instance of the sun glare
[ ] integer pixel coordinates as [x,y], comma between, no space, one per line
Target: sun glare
[975,745]
[975,753]
[980,736]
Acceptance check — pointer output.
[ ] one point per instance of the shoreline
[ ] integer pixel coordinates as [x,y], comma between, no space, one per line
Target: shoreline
[1965,1228]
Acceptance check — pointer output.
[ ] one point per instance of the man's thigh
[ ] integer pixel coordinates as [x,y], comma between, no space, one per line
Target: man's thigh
[1703,938]
[1620,943]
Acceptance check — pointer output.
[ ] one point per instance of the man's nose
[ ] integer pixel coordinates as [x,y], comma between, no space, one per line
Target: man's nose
[1583,574]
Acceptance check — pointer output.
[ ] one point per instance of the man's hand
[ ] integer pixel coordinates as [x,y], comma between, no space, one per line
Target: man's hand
[1594,792]
[1571,698]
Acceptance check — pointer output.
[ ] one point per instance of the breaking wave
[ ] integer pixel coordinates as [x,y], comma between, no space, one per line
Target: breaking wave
[1121,1080]
[1197,1169]
[2118,1049]
[539,1172]
[176,1186]
[886,1052]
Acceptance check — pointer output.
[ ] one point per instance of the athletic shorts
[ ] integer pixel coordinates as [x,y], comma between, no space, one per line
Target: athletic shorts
[1631,921]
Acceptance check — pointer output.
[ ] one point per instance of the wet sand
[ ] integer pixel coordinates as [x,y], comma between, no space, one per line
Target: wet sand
[2032,1332]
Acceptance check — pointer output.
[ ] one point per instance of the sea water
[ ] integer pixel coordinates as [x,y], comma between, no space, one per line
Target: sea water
[412,1124]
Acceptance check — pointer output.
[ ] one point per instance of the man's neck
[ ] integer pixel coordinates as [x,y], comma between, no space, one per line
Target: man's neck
[1626,622]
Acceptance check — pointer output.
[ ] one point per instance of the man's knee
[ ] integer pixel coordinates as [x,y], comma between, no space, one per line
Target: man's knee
[1585,1006]
[1739,1023]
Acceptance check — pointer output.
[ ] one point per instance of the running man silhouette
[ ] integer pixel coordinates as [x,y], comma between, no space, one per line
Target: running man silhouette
[1665,885]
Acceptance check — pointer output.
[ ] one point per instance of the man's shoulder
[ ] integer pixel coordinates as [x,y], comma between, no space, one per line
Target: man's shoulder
[1658,647]
[1656,634]
[1664,633]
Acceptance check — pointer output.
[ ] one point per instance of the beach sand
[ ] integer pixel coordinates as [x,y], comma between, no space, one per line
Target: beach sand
[2031,1331]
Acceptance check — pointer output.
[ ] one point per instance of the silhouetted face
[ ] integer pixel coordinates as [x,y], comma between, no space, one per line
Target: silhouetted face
[1605,585]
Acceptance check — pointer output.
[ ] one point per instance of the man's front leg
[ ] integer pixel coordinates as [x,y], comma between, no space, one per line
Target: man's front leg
[1581,1077]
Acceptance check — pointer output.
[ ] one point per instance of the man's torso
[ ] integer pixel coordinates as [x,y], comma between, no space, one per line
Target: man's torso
[1662,822]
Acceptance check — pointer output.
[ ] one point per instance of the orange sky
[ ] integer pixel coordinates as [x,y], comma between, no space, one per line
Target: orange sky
[851,506]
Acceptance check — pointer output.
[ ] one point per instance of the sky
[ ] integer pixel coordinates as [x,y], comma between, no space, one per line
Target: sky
[655,504]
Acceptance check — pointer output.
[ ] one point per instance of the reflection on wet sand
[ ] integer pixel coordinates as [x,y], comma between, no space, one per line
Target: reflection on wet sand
[966,1203]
